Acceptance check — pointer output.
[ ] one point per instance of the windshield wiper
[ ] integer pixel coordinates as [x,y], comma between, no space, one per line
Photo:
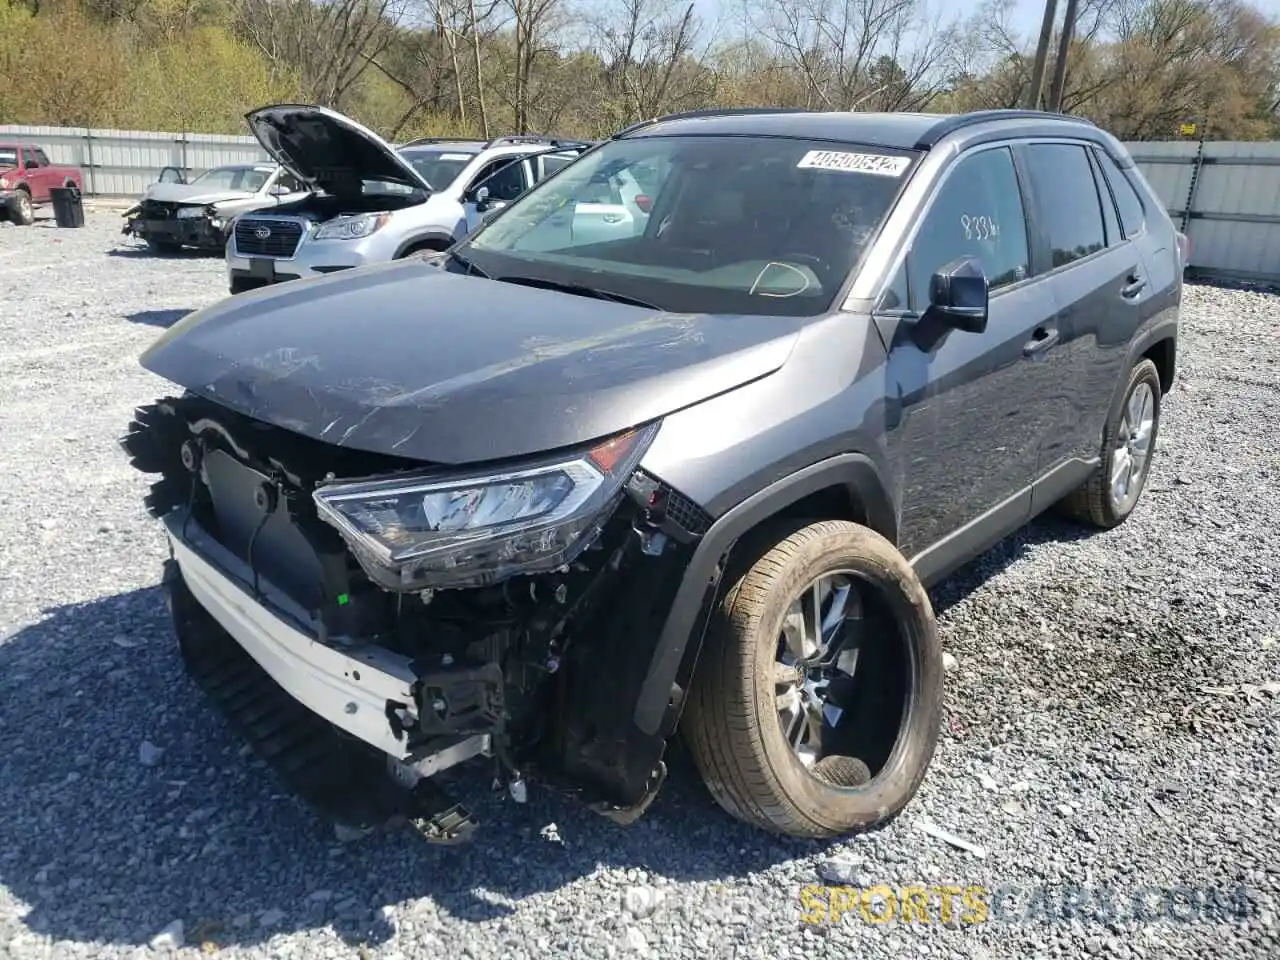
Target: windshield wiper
[467,265]
[580,289]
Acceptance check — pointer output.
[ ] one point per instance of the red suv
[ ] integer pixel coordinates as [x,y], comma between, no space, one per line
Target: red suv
[26,177]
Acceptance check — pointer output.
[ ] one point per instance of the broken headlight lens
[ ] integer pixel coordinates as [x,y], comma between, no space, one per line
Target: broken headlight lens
[431,531]
[351,228]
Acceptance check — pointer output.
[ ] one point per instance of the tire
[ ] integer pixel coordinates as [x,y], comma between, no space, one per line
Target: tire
[430,246]
[731,722]
[1093,502]
[162,246]
[25,211]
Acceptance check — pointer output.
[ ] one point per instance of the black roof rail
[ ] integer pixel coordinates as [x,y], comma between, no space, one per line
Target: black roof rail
[420,141]
[950,125]
[709,112]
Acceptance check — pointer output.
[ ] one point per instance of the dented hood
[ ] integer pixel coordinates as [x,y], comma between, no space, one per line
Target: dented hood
[409,360]
[193,193]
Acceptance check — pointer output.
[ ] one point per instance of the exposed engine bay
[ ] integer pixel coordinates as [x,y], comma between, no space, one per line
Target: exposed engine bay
[321,207]
[525,648]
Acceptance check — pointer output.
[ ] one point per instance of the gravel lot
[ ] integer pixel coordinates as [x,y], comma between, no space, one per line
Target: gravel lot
[1113,713]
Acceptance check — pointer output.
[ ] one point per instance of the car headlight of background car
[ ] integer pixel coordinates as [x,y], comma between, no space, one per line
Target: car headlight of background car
[421,531]
[351,228]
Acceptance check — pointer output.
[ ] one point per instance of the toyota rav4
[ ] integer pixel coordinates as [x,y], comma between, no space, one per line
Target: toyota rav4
[548,498]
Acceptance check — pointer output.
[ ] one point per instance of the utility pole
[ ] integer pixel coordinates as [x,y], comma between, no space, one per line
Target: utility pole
[1042,55]
[1060,65]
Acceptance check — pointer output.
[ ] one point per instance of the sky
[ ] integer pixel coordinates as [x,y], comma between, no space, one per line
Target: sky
[1025,17]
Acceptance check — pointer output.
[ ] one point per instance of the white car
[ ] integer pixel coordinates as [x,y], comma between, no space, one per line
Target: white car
[373,202]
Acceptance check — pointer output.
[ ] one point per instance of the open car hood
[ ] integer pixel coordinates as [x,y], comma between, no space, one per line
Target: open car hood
[406,359]
[328,151]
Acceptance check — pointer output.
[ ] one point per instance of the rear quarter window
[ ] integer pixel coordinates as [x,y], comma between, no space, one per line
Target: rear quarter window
[1132,215]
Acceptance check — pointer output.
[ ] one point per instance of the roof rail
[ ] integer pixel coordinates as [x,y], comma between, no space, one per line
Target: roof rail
[420,141]
[958,122]
[709,112]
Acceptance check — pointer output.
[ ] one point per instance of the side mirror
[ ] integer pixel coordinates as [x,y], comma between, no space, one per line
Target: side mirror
[959,294]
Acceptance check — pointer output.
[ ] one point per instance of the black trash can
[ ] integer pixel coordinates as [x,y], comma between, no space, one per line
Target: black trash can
[68,206]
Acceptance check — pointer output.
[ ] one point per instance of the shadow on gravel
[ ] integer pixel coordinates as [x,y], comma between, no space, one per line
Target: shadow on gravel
[146,253]
[106,848]
[1046,528]
[157,318]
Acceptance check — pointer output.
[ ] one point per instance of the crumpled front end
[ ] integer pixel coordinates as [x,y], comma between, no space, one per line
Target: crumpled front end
[357,614]
[188,225]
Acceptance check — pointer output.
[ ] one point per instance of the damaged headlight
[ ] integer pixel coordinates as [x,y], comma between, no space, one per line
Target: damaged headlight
[414,532]
[351,228]
[190,213]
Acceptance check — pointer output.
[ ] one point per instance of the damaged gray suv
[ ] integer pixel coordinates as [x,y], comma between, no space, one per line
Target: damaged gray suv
[552,497]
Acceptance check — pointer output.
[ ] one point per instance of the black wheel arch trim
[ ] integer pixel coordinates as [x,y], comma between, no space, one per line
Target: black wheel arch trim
[436,236]
[1156,333]
[682,633]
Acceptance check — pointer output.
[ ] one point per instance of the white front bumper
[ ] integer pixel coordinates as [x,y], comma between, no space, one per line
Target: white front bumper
[350,691]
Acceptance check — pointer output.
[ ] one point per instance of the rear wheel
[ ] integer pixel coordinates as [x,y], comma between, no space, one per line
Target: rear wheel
[162,246]
[26,211]
[817,699]
[1108,497]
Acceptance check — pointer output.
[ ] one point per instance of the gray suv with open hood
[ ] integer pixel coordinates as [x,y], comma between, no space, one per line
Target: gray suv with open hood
[553,495]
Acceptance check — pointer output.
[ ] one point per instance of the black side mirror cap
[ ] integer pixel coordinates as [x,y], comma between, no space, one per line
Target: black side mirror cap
[959,295]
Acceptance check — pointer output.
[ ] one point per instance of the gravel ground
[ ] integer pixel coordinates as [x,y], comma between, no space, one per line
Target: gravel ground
[1112,721]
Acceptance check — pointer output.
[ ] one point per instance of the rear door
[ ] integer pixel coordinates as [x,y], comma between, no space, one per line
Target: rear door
[969,407]
[1096,278]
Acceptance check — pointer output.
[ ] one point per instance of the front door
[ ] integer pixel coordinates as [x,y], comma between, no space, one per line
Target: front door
[968,411]
[505,180]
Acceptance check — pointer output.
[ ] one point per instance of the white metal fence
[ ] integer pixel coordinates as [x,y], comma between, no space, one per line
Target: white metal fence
[1225,196]
[125,162]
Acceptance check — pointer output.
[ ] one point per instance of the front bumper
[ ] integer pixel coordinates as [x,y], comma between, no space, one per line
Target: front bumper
[8,203]
[201,232]
[355,692]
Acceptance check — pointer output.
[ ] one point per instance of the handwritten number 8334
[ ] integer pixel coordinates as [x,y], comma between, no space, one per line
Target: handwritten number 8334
[979,228]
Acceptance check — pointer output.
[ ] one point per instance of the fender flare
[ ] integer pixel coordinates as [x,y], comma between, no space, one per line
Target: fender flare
[676,652]
[436,235]
[1165,330]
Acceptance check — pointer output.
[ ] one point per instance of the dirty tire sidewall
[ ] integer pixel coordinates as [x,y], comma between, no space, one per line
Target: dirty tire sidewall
[732,722]
[26,210]
[1091,503]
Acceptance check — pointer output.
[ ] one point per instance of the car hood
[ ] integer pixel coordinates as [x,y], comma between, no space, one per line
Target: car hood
[192,193]
[409,360]
[324,149]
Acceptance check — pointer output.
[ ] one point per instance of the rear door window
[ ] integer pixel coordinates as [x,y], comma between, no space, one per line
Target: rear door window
[1067,201]
[977,213]
[1132,216]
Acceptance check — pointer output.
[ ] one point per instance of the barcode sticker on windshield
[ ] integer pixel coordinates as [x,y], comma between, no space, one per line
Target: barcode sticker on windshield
[854,162]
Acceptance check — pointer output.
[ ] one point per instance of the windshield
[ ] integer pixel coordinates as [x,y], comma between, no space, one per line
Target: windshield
[233,178]
[8,157]
[763,225]
[438,167]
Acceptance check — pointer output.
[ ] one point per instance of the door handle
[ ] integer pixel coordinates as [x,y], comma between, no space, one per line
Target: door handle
[1134,285]
[1041,340]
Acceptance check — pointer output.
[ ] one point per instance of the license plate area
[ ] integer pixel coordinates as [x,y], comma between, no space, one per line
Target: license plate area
[261,268]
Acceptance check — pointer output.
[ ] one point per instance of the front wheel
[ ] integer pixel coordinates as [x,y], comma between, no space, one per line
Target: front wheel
[1107,498]
[26,209]
[163,246]
[815,708]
